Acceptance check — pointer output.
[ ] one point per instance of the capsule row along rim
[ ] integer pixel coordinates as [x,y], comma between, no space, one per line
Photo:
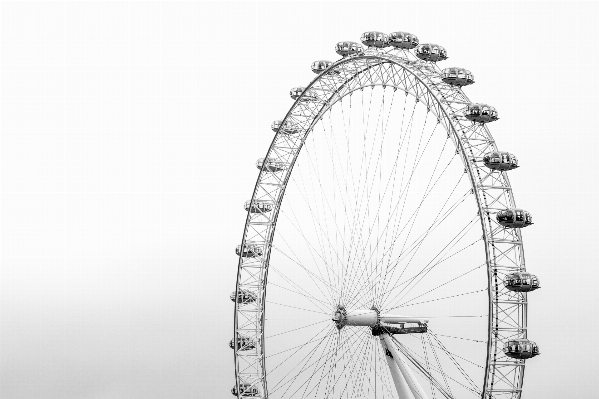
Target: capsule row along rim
[496,161]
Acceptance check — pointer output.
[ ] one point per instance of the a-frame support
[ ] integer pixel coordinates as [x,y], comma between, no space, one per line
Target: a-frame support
[405,382]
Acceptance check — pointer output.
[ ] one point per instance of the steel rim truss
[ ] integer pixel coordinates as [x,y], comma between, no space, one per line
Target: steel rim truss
[504,249]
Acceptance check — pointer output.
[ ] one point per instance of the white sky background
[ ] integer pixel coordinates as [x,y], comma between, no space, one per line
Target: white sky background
[129,137]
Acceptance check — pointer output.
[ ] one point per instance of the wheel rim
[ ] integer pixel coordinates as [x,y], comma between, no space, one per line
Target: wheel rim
[401,73]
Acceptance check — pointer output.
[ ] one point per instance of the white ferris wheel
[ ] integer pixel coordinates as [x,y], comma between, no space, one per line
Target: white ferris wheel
[396,268]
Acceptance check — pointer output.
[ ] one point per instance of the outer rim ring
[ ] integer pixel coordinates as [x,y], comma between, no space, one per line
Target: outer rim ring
[441,99]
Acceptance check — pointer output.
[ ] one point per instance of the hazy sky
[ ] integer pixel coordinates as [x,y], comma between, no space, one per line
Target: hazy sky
[129,137]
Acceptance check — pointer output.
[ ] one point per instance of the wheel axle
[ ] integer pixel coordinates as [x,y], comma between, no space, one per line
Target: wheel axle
[373,318]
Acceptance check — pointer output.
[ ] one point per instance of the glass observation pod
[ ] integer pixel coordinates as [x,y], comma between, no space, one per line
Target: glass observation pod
[514,218]
[243,343]
[259,206]
[346,49]
[271,164]
[521,349]
[375,39]
[457,76]
[309,95]
[521,282]
[403,40]
[245,390]
[481,113]
[288,128]
[500,160]
[249,251]
[319,67]
[431,52]
[244,297]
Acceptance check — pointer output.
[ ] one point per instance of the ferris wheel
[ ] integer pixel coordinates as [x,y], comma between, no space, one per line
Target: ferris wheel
[397,265]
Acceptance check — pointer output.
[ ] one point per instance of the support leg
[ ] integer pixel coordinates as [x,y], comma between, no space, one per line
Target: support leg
[411,380]
[403,390]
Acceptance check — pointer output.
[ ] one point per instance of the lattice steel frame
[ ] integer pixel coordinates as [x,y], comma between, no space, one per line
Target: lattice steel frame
[399,70]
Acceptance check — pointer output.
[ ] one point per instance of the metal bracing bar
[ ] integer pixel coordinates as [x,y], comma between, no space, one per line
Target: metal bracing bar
[244,285]
[509,268]
[513,390]
[510,328]
[283,148]
[271,184]
[248,325]
[489,208]
[323,89]
[252,266]
[500,241]
[484,140]
[495,187]
[415,387]
[248,354]
[254,331]
[403,390]
[455,101]
[510,364]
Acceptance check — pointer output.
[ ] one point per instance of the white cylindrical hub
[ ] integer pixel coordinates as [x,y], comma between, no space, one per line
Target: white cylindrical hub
[370,318]
[362,317]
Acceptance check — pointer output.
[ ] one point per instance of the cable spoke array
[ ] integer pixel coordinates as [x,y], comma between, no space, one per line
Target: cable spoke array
[384,211]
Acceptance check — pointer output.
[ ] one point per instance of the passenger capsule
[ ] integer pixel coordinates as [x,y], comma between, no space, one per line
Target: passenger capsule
[308,95]
[288,128]
[403,40]
[521,282]
[245,390]
[249,251]
[500,160]
[320,66]
[457,77]
[271,164]
[243,343]
[431,52]
[243,297]
[259,206]
[521,349]
[375,39]
[482,113]
[514,218]
[348,48]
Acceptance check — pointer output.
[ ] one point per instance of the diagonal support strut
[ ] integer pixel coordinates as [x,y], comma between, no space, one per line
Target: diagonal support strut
[410,379]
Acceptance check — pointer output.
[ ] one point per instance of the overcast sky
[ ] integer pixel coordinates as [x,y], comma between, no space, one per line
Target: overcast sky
[129,133]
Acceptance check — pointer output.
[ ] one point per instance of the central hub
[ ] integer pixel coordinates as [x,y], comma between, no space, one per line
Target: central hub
[340,317]
[373,318]
[359,317]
